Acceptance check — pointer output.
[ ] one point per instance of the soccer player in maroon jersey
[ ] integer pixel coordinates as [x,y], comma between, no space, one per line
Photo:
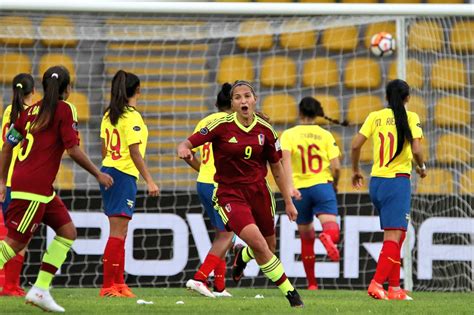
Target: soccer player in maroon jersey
[45,131]
[243,144]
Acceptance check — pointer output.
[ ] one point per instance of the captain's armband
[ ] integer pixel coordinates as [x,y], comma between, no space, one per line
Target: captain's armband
[13,136]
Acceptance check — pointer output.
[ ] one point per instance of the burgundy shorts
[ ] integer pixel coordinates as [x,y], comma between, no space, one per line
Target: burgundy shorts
[24,216]
[240,206]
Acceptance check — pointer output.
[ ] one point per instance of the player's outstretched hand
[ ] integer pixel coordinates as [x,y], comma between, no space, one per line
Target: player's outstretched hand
[153,189]
[421,172]
[357,180]
[291,212]
[105,180]
[295,193]
[3,190]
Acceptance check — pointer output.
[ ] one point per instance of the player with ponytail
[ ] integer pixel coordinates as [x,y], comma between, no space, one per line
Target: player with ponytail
[396,135]
[311,155]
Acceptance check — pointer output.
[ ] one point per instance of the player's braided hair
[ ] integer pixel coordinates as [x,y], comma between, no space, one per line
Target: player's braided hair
[23,84]
[124,86]
[223,102]
[311,108]
[397,92]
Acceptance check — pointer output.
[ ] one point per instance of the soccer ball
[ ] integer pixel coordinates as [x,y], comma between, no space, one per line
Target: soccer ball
[382,44]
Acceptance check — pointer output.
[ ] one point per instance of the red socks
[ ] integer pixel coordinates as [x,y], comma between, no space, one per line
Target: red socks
[209,264]
[307,255]
[13,270]
[332,229]
[219,276]
[394,276]
[113,255]
[389,259]
[120,271]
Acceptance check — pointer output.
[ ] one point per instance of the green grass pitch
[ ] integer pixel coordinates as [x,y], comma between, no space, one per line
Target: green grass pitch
[86,301]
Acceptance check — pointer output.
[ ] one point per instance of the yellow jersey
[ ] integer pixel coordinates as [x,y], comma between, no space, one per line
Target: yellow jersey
[16,149]
[130,129]
[207,168]
[380,125]
[312,148]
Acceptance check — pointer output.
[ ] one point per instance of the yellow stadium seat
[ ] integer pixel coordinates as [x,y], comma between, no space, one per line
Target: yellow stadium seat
[362,73]
[340,38]
[452,110]
[339,141]
[278,71]
[11,64]
[454,148]
[445,1]
[38,96]
[55,59]
[330,105]
[233,0]
[462,36]
[366,152]
[425,148]
[234,68]
[402,1]
[273,0]
[360,106]
[293,38]
[466,182]
[65,178]
[417,105]
[425,35]
[281,108]
[375,28]
[59,30]
[317,1]
[439,182]
[345,182]
[262,38]
[20,26]
[448,73]
[359,1]
[320,72]
[81,102]
[414,73]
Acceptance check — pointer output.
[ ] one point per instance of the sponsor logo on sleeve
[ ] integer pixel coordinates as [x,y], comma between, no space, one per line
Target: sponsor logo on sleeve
[137,128]
[204,131]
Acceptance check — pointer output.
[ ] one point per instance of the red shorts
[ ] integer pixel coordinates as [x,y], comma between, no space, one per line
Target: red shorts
[24,216]
[240,206]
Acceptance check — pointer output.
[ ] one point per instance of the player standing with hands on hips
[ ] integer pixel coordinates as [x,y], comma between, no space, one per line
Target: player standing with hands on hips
[243,143]
[396,135]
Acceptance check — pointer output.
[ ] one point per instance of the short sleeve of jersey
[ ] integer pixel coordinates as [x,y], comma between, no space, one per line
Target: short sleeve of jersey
[333,149]
[133,125]
[68,126]
[204,135]
[415,125]
[102,128]
[285,141]
[273,148]
[368,126]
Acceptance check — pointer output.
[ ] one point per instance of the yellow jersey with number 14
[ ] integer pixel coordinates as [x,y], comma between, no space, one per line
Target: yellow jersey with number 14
[207,168]
[312,148]
[130,129]
[380,125]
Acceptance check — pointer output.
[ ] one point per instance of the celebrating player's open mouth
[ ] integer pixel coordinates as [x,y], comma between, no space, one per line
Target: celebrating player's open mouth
[243,102]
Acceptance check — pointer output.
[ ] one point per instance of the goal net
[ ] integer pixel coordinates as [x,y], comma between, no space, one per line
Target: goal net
[183,59]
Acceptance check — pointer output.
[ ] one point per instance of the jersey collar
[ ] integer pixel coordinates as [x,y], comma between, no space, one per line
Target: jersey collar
[246,129]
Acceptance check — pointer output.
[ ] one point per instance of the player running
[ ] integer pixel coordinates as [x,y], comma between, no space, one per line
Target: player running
[396,135]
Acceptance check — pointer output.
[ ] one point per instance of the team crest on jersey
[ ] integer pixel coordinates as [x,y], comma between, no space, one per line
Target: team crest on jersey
[74,126]
[261,139]
[228,208]
[204,131]
[137,128]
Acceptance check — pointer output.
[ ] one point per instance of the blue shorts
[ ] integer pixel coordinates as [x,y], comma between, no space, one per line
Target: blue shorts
[5,204]
[392,199]
[119,200]
[205,193]
[315,200]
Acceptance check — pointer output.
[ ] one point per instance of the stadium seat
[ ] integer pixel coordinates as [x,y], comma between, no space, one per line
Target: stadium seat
[417,105]
[273,0]
[454,148]
[414,73]
[445,1]
[65,178]
[317,1]
[425,35]
[281,108]
[402,1]
[466,182]
[362,73]
[340,38]
[54,59]
[278,71]
[360,106]
[81,102]
[21,27]
[345,182]
[59,32]
[262,40]
[425,148]
[359,1]
[438,182]
[462,36]
[339,141]
[11,64]
[320,72]
[293,38]
[169,133]
[234,68]
[448,73]
[375,28]
[331,108]
[452,110]
[233,0]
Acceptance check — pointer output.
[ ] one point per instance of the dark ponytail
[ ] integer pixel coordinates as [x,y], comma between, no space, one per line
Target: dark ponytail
[311,108]
[55,82]
[124,86]
[23,84]
[223,102]
[397,92]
